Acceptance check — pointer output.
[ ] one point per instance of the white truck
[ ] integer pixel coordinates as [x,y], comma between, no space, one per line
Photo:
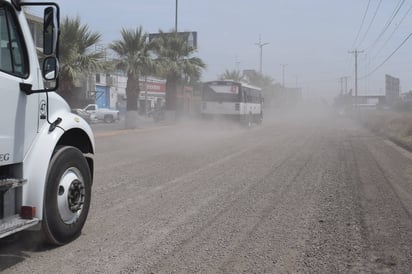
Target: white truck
[93,113]
[46,151]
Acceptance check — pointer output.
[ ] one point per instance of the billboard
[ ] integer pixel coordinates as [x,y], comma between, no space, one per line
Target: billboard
[189,36]
[152,86]
[392,88]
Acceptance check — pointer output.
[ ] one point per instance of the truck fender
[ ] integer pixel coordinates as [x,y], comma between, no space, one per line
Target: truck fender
[36,161]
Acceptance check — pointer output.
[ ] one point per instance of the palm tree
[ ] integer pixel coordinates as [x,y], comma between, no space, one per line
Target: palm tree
[234,75]
[260,80]
[176,64]
[76,56]
[133,51]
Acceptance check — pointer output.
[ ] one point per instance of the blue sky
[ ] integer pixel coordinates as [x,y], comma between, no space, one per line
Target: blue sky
[312,37]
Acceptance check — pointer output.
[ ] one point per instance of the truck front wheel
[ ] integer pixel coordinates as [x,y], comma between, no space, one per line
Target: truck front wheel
[67,196]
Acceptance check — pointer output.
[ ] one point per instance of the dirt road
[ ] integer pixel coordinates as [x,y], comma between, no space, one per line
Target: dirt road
[301,194]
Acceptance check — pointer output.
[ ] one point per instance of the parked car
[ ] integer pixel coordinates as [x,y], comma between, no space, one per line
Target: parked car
[93,113]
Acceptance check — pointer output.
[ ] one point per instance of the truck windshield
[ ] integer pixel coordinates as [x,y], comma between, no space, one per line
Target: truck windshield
[12,55]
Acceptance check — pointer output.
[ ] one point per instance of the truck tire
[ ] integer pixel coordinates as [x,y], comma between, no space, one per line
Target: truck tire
[67,196]
[108,119]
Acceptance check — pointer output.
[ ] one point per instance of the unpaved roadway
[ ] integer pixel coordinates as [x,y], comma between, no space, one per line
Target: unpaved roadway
[304,193]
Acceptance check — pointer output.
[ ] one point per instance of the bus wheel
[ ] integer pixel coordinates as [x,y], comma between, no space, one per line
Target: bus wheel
[67,196]
[259,119]
[249,121]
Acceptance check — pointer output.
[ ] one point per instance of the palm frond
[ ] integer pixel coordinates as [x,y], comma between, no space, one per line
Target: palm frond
[76,49]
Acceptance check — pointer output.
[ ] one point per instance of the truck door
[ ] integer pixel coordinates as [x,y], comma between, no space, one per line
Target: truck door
[18,112]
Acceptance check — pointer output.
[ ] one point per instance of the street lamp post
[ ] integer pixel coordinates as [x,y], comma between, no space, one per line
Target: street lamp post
[261,45]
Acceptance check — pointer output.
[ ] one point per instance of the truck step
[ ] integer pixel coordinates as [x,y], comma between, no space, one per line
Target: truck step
[15,224]
[8,183]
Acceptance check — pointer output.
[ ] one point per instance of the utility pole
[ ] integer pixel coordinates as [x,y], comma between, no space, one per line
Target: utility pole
[145,95]
[356,52]
[283,73]
[346,83]
[344,90]
[261,45]
[176,17]
[237,63]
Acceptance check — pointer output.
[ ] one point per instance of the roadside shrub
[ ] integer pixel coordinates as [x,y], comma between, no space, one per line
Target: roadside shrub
[390,124]
[407,125]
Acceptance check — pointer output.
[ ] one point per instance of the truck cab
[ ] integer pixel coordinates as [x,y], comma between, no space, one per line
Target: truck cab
[46,152]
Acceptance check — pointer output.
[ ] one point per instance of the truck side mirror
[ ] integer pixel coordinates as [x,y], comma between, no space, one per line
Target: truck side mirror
[50,68]
[50,31]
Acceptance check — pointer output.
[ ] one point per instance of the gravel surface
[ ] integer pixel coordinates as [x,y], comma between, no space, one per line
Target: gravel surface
[304,193]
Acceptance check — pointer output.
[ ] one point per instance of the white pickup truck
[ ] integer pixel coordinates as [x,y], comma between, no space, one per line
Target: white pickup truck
[93,113]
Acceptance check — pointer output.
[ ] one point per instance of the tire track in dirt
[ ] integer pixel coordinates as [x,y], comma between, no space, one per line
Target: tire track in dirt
[228,207]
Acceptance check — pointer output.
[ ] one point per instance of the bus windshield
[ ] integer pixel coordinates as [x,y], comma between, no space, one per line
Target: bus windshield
[221,92]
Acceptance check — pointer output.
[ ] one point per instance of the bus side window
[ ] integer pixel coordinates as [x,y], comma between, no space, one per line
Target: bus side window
[249,97]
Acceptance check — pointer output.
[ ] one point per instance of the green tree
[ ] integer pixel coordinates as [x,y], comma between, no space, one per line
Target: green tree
[260,80]
[271,90]
[76,55]
[134,59]
[234,75]
[176,64]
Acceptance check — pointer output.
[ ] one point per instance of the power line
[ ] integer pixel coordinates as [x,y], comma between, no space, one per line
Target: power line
[387,58]
[397,8]
[393,32]
[370,24]
[361,26]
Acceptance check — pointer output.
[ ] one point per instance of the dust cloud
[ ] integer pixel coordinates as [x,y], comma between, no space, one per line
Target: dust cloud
[195,133]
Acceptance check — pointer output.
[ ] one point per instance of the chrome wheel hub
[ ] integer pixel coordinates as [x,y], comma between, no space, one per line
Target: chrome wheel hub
[70,195]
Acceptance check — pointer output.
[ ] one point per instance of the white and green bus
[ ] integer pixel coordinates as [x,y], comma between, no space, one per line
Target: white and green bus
[231,99]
